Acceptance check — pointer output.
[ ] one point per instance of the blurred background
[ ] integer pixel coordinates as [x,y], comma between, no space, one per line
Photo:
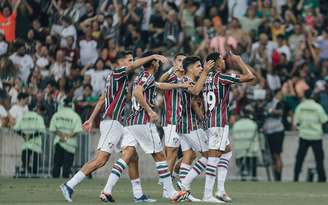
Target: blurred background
[56,54]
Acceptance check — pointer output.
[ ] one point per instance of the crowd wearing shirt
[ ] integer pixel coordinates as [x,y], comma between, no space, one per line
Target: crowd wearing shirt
[52,50]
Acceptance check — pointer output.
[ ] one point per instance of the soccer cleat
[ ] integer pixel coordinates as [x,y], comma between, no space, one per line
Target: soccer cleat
[144,198]
[165,195]
[212,199]
[223,197]
[108,198]
[67,192]
[191,198]
[182,187]
[180,196]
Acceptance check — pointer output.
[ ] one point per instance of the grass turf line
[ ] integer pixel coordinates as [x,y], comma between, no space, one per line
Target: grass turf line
[46,191]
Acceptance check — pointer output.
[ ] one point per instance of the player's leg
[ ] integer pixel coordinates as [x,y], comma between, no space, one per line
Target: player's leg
[222,171]
[172,143]
[118,168]
[197,141]
[149,140]
[111,132]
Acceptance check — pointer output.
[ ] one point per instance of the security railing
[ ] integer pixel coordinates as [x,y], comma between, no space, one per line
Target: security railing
[35,159]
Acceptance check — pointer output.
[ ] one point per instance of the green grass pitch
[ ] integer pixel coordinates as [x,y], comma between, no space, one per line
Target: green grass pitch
[46,191]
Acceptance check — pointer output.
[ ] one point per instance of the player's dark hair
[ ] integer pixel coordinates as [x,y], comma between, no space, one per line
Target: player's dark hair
[145,54]
[213,56]
[189,61]
[122,54]
[179,54]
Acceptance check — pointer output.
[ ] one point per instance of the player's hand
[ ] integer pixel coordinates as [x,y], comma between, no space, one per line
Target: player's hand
[87,125]
[208,65]
[152,116]
[161,58]
[235,58]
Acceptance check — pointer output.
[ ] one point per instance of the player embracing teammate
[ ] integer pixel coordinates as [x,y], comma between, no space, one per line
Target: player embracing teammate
[195,117]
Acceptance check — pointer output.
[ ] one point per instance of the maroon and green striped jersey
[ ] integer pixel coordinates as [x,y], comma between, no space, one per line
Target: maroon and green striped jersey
[188,121]
[216,97]
[172,103]
[138,114]
[116,93]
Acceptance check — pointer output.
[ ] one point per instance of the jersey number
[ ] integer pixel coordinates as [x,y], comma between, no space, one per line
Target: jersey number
[135,104]
[209,100]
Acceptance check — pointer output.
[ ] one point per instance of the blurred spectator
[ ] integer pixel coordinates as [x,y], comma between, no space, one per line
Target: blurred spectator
[65,124]
[8,20]
[60,68]
[310,117]
[274,131]
[98,76]
[31,127]
[17,111]
[4,105]
[85,103]
[23,61]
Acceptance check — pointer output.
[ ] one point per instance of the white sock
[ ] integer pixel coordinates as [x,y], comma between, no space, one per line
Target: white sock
[115,175]
[196,170]
[165,178]
[223,170]
[136,188]
[184,170]
[212,163]
[76,179]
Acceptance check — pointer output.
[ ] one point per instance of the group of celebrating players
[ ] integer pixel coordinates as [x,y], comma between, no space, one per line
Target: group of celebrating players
[194,116]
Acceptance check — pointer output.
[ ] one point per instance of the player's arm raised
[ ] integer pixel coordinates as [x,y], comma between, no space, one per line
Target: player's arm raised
[170,86]
[138,94]
[140,61]
[87,125]
[247,75]
[198,87]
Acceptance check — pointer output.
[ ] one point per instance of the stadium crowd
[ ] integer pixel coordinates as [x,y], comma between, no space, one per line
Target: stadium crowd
[56,50]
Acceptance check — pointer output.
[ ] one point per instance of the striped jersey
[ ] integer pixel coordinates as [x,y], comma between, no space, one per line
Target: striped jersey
[172,103]
[139,115]
[116,93]
[188,121]
[216,97]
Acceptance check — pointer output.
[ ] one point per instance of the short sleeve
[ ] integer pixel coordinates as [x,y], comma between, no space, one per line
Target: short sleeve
[230,78]
[120,73]
[145,80]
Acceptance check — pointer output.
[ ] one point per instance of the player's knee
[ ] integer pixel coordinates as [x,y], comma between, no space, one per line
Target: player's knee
[159,156]
[228,148]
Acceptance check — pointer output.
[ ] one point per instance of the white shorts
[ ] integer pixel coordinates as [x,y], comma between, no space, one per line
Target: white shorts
[147,137]
[171,137]
[218,137]
[196,140]
[113,137]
